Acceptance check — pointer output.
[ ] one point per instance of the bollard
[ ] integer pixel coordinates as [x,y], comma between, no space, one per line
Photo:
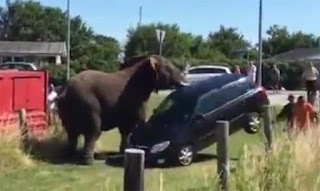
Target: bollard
[134,170]
[222,152]
[267,120]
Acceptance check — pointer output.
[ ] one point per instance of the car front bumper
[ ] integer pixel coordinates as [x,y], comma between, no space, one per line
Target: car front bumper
[155,158]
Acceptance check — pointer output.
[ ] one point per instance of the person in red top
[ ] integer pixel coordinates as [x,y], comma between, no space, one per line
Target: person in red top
[303,115]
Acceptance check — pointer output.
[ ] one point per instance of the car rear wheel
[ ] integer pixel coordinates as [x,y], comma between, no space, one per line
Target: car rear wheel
[185,155]
[253,123]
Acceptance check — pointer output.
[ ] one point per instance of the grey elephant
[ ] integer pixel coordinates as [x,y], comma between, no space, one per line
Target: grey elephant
[96,101]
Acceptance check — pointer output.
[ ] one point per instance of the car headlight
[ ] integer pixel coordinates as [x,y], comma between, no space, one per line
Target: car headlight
[159,147]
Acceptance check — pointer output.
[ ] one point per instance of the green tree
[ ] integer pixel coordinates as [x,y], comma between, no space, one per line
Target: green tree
[143,40]
[31,21]
[279,40]
[227,41]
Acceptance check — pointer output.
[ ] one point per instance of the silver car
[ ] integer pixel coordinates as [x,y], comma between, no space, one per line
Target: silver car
[202,72]
[18,66]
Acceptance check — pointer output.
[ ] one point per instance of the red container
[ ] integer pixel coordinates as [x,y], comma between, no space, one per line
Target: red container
[28,90]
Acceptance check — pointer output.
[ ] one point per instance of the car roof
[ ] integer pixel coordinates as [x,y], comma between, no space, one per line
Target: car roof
[20,63]
[200,87]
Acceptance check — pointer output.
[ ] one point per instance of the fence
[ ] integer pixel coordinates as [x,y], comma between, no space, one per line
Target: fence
[134,158]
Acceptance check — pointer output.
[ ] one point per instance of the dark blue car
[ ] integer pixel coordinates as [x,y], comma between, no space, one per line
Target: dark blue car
[184,123]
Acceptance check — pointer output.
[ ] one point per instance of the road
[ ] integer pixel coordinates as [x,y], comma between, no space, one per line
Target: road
[280,98]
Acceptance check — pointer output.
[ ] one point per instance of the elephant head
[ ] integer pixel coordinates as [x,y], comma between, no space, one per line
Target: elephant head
[164,74]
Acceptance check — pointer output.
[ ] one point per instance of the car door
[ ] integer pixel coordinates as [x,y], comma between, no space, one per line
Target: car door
[204,128]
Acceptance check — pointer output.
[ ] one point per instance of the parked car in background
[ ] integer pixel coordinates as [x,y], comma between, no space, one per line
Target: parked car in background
[185,121]
[18,66]
[198,73]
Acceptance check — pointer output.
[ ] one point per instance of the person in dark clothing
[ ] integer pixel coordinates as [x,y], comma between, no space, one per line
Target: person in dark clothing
[287,110]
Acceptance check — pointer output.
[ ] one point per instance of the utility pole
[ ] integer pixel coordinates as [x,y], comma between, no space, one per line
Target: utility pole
[68,42]
[140,16]
[260,45]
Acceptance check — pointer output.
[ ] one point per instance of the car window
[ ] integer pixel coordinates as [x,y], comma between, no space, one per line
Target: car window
[16,66]
[217,98]
[175,106]
[206,70]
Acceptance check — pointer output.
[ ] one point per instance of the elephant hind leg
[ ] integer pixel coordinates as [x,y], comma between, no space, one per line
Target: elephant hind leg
[72,143]
[92,131]
[90,141]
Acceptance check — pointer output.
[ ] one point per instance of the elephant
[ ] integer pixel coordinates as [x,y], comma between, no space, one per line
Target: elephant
[95,101]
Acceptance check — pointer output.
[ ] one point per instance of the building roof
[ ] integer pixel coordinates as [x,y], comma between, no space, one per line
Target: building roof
[299,54]
[16,48]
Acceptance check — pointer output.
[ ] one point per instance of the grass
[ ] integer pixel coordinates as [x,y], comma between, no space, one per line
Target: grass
[292,164]
[44,172]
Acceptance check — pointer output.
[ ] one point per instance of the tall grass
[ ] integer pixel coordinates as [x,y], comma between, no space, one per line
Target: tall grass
[292,164]
[12,155]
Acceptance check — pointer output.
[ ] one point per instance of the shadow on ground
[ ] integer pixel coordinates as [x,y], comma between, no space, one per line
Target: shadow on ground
[117,160]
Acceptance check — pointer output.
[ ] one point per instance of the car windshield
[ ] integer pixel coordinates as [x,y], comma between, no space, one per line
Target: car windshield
[206,70]
[16,66]
[174,106]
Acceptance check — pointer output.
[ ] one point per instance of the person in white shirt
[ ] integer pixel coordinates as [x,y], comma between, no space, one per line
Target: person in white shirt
[310,76]
[51,97]
[251,73]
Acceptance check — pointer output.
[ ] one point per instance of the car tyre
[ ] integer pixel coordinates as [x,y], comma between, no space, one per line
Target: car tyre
[184,155]
[253,123]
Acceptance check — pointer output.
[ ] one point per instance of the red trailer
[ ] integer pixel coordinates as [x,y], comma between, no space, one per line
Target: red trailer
[28,90]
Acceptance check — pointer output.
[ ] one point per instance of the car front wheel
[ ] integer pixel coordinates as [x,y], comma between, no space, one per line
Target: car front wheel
[185,155]
[253,123]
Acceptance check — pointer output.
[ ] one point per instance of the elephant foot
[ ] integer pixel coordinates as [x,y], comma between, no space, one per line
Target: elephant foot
[69,152]
[86,160]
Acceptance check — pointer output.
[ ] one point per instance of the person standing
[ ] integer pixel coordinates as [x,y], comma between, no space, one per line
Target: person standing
[310,76]
[287,111]
[52,105]
[275,78]
[251,73]
[303,115]
[237,69]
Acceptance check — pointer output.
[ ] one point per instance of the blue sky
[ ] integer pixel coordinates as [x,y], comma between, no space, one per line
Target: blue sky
[114,17]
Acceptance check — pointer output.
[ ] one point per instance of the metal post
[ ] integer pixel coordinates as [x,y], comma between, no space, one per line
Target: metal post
[260,46]
[267,119]
[134,170]
[223,153]
[160,48]
[68,42]
[22,124]
[140,16]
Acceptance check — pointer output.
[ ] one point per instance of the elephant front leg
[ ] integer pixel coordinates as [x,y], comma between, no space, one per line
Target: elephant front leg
[123,143]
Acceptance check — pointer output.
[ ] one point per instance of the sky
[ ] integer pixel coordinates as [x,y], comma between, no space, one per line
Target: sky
[114,17]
